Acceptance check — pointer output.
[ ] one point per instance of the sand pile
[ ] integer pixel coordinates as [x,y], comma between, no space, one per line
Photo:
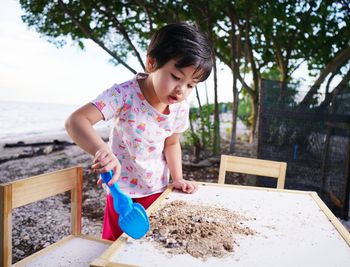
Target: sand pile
[201,231]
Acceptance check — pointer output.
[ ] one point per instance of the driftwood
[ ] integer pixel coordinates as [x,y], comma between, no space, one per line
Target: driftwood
[23,144]
[37,149]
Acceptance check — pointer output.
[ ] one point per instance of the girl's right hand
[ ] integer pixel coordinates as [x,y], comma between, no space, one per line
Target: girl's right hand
[104,161]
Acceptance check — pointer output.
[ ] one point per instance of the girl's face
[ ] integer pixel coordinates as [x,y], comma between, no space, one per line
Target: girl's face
[171,84]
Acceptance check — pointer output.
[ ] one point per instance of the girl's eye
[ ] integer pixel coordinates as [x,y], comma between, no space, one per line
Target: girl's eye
[175,77]
[190,86]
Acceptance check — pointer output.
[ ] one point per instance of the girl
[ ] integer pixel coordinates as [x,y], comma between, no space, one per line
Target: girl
[149,113]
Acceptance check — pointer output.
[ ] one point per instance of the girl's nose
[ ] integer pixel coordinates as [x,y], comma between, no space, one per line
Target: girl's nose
[178,90]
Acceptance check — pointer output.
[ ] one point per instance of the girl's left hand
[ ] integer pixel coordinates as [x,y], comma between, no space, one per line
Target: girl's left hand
[184,185]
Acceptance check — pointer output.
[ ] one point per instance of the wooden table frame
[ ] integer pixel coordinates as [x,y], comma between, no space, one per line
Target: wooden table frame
[105,259]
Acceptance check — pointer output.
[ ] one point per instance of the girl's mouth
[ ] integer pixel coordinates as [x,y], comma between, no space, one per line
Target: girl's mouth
[172,99]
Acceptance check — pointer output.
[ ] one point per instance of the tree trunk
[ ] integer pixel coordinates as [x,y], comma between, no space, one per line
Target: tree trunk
[254,117]
[234,115]
[341,59]
[216,145]
[341,86]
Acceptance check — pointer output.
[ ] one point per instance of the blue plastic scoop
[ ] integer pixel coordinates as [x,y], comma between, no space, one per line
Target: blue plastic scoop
[133,219]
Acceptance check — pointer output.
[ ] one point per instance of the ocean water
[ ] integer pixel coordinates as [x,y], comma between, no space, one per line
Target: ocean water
[21,119]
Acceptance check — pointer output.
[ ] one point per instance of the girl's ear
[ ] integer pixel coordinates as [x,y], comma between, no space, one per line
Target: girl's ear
[150,64]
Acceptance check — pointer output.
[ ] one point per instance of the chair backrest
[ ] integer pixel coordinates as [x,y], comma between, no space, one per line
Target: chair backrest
[22,192]
[259,167]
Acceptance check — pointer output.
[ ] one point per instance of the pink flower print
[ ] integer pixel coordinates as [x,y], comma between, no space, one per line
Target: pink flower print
[149,174]
[132,192]
[100,105]
[127,105]
[140,96]
[116,91]
[124,176]
[129,168]
[133,182]
[131,119]
[122,145]
[160,118]
[151,149]
[138,140]
[141,128]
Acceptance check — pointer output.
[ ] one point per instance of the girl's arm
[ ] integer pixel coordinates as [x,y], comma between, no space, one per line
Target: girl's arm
[172,152]
[79,126]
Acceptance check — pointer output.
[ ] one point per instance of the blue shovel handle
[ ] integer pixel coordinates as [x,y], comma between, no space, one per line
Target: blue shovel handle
[122,203]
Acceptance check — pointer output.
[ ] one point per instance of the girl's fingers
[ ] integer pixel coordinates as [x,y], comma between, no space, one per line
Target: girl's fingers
[191,188]
[184,187]
[101,155]
[101,165]
[116,174]
[111,165]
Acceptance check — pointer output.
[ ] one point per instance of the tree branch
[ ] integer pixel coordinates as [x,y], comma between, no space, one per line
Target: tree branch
[116,23]
[88,33]
[342,57]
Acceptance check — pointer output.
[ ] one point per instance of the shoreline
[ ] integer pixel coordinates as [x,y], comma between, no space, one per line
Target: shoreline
[20,162]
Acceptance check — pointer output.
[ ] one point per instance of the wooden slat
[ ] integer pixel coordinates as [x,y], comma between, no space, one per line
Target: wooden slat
[334,220]
[5,225]
[76,203]
[96,239]
[253,166]
[282,175]
[26,191]
[105,263]
[268,168]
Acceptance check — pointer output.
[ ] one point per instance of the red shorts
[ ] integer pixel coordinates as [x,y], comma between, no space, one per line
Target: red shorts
[111,229]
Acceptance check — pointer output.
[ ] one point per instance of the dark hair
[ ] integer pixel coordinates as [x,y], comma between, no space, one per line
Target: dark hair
[185,44]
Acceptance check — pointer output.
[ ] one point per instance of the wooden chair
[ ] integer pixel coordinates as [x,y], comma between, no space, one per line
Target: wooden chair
[73,250]
[253,166]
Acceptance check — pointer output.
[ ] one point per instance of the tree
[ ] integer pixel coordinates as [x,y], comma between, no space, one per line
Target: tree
[110,24]
[255,37]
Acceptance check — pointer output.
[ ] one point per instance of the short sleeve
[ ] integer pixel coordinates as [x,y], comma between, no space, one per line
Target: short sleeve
[182,118]
[110,102]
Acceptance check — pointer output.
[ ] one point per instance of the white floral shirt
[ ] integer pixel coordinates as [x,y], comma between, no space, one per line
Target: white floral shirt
[138,135]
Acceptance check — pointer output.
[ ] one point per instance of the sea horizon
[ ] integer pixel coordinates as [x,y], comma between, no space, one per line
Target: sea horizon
[21,120]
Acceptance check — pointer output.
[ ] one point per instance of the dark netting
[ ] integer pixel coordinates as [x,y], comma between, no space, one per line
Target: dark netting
[311,136]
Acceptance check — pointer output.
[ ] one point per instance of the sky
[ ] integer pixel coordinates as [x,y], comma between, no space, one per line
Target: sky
[34,70]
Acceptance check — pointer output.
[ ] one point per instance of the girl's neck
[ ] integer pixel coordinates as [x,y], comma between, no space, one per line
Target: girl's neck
[150,95]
